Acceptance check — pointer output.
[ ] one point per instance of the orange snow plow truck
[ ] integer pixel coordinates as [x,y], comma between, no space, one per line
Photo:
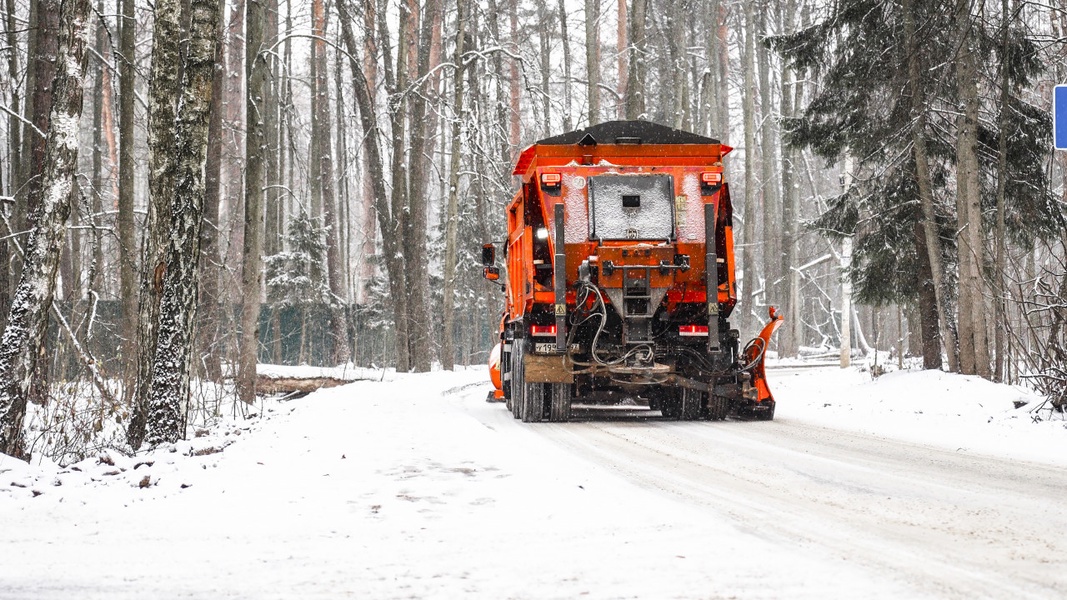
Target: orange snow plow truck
[620,280]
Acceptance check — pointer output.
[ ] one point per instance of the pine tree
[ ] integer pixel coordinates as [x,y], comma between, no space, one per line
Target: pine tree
[887,98]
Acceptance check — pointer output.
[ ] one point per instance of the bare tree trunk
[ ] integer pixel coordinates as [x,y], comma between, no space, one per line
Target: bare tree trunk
[592,60]
[95,202]
[322,163]
[126,182]
[565,40]
[252,249]
[769,185]
[209,235]
[748,250]
[392,242]
[922,171]
[399,226]
[544,17]
[275,232]
[710,85]
[448,349]
[369,223]
[973,338]
[233,150]
[45,47]
[420,323]
[170,373]
[635,86]
[789,341]
[999,291]
[25,330]
[14,129]
[622,44]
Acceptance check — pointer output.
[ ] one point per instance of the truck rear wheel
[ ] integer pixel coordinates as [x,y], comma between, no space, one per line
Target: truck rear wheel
[518,378]
[692,404]
[560,409]
[533,403]
[718,406]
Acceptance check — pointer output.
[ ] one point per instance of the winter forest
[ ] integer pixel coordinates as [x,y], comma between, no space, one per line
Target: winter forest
[194,187]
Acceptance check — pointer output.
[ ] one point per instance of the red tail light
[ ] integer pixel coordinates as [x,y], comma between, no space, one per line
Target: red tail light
[693,330]
[549,330]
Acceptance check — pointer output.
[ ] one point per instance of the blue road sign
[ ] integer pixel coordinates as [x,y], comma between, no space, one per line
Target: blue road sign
[1059,116]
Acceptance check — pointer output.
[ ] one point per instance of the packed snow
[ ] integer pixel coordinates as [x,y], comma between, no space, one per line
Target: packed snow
[412,486]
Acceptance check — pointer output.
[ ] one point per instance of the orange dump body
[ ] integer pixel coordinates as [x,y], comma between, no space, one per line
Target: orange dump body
[685,164]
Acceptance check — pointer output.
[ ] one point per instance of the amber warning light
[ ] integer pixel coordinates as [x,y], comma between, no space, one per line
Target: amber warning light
[711,178]
[550,179]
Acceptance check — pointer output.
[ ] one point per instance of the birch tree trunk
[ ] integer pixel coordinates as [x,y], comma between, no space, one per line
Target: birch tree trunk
[252,248]
[163,92]
[169,393]
[26,324]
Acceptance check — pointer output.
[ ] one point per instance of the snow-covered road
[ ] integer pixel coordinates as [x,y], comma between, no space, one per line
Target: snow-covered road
[416,488]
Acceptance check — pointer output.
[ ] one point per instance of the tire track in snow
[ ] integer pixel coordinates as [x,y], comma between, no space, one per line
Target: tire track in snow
[945,524]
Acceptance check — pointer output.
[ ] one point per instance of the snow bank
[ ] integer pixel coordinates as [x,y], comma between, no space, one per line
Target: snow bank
[963,413]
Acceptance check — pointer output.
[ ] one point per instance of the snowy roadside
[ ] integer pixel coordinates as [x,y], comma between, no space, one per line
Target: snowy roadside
[415,487]
[956,412]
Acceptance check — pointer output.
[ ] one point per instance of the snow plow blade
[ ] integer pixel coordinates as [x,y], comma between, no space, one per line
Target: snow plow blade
[759,400]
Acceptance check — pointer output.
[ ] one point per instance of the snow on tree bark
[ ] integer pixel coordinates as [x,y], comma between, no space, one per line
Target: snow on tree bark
[169,389]
[25,329]
[163,92]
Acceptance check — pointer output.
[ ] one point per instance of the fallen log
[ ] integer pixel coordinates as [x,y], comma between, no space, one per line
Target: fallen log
[266,384]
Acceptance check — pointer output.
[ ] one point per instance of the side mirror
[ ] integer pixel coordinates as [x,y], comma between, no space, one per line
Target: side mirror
[488,255]
[491,273]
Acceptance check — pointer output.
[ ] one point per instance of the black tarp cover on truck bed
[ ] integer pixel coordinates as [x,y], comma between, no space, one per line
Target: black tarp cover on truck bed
[615,132]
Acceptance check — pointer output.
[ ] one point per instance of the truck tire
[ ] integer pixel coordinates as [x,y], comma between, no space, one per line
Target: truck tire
[533,402]
[718,406]
[560,409]
[692,404]
[518,378]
